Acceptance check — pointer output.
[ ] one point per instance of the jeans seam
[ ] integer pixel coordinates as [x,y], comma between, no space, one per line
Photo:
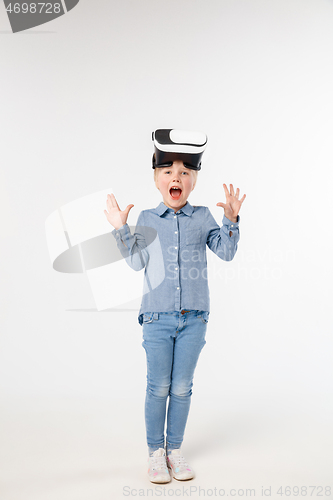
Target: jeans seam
[159,333]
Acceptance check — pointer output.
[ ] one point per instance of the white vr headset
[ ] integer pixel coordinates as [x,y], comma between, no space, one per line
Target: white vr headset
[183,145]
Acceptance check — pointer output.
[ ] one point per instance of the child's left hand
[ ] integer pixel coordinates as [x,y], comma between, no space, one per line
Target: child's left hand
[233,204]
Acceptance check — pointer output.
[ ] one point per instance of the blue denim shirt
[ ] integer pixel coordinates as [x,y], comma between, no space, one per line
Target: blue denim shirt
[171,247]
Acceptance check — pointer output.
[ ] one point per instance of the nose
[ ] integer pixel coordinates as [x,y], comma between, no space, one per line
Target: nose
[176,177]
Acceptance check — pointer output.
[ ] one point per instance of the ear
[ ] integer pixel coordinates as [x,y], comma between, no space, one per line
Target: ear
[156,178]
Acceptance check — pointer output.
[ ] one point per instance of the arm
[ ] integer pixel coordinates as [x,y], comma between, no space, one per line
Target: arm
[223,241]
[132,247]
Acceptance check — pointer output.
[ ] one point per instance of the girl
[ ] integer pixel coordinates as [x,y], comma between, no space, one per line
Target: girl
[175,309]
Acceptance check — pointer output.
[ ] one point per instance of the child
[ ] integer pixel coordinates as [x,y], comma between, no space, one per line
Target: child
[174,314]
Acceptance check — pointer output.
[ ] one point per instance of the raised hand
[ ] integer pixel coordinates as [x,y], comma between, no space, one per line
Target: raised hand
[232,204]
[114,215]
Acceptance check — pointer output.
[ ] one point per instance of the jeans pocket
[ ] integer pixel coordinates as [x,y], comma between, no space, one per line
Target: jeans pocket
[149,317]
[204,316]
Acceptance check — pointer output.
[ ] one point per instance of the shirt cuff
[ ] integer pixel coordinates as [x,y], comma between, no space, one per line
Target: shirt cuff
[229,223]
[121,232]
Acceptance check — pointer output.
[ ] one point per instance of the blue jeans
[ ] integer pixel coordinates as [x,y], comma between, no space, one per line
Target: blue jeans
[173,342]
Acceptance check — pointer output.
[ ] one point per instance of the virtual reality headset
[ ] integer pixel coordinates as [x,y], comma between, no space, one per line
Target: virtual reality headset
[171,145]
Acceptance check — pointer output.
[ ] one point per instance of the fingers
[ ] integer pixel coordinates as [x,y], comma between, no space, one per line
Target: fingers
[112,205]
[110,199]
[114,201]
[243,198]
[232,192]
[221,205]
[128,208]
[109,202]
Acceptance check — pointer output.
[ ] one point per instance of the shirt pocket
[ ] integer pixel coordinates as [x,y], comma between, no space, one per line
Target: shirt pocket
[193,236]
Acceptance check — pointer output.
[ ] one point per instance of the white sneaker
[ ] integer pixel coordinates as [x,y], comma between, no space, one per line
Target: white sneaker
[157,467]
[179,467]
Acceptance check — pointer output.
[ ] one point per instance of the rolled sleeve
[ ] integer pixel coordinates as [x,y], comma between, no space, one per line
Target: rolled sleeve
[122,234]
[132,247]
[231,228]
[222,240]
[228,222]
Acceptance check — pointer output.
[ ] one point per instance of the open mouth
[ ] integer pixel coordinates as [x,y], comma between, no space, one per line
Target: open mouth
[175,193]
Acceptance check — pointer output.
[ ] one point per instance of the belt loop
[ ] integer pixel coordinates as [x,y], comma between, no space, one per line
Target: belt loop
[155,315]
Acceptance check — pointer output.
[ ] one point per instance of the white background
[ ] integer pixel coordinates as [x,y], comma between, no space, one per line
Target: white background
[79,99]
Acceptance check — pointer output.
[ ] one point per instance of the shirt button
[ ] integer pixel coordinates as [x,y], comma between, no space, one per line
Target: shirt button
[232,225]
[176,232]
[176,248]
[177,287]
[176,268]
[175,216]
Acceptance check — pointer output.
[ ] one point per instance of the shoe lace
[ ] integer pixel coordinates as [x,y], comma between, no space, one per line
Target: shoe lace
[178,460]
[158,463]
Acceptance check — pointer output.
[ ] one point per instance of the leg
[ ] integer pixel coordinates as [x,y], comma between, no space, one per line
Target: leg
[189,342]
[158,342]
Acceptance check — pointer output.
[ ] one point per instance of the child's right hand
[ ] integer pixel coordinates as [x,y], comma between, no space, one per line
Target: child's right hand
[114,215]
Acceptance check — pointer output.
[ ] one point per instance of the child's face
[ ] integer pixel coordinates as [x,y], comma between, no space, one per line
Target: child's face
[176,176]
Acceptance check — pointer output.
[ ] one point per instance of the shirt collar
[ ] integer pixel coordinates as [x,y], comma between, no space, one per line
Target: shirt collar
[187,209]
